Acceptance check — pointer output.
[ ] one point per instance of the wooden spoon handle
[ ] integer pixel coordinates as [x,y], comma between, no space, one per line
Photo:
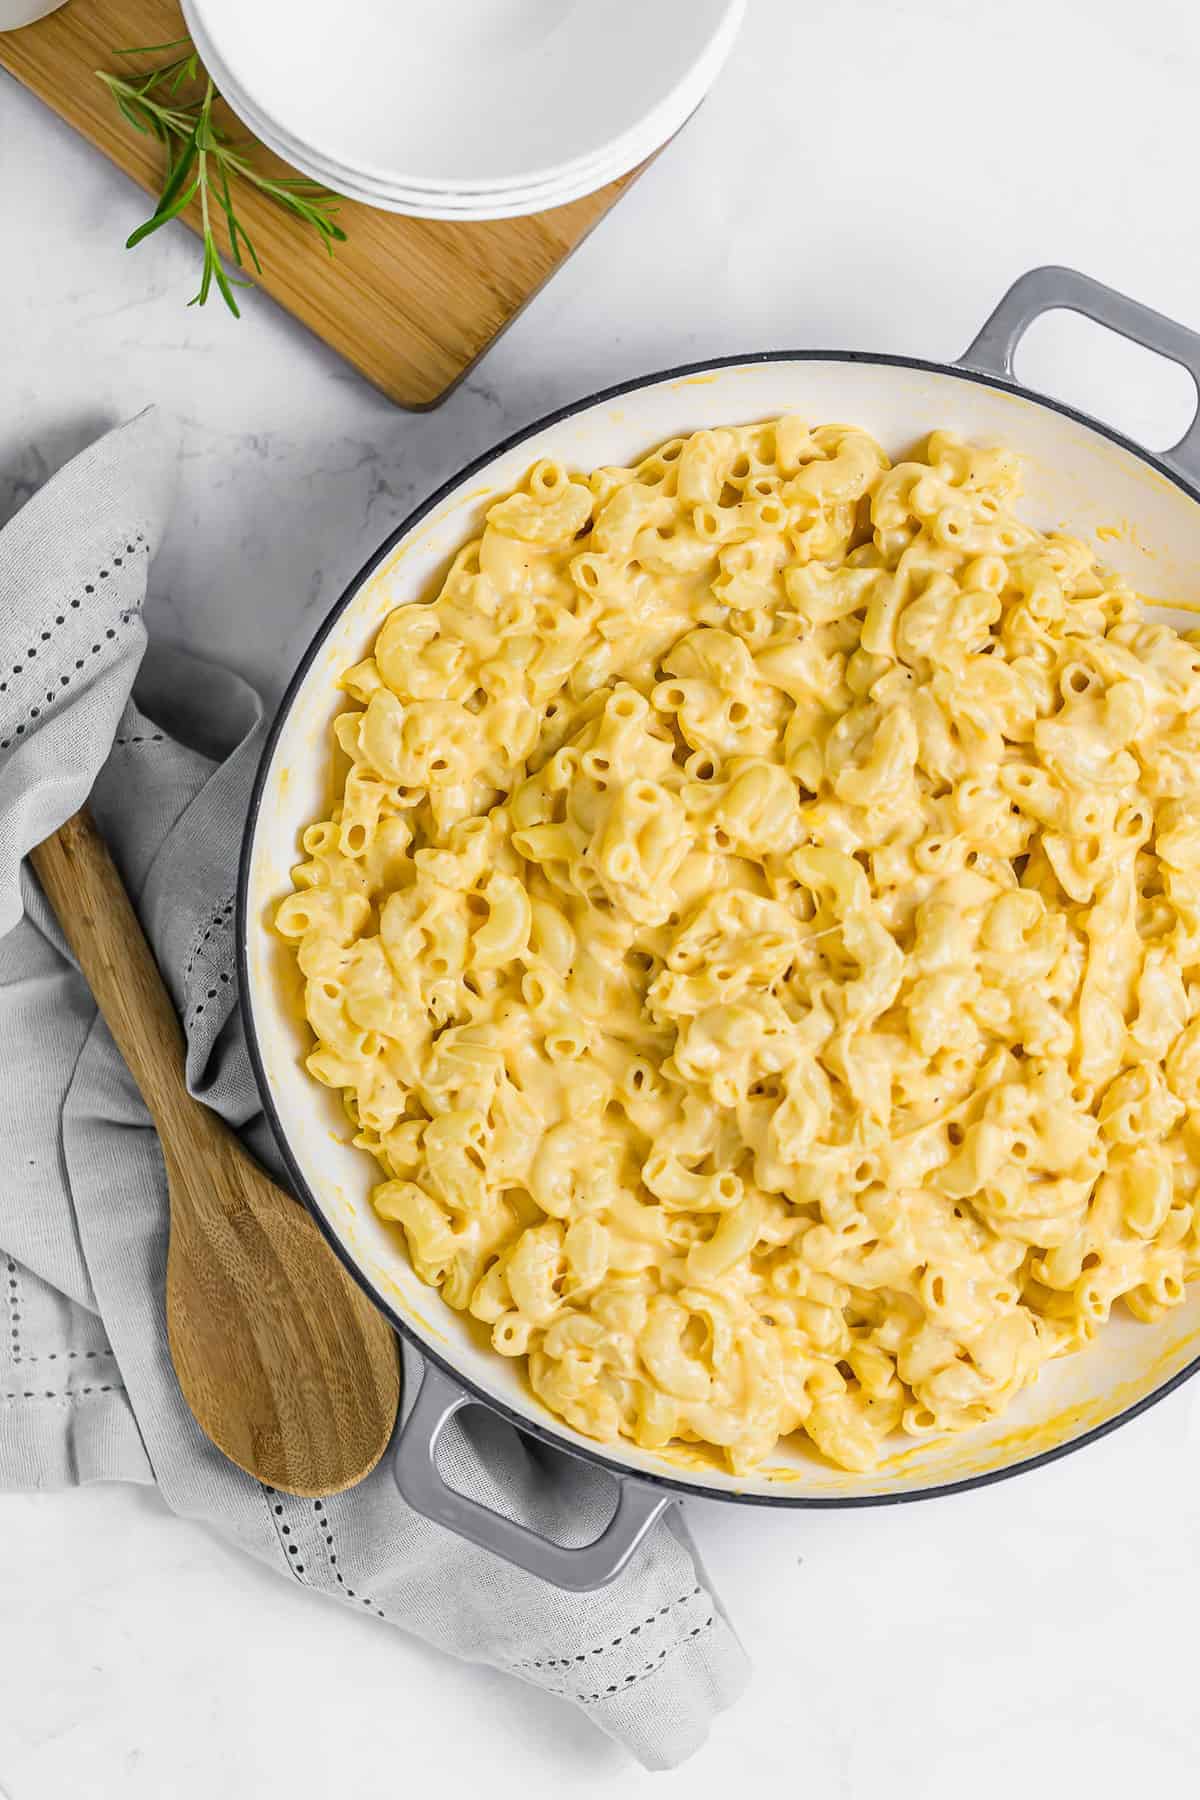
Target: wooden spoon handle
[82,884]
[284,1362]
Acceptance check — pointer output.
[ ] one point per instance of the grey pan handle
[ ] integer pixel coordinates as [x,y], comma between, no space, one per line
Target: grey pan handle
[590,1566]
[1049,288]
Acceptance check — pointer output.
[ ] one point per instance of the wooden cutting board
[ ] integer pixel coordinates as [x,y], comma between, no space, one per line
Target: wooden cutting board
[410,302]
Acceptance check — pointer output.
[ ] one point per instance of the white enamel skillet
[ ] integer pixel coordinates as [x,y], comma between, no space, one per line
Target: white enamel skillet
[1080,474]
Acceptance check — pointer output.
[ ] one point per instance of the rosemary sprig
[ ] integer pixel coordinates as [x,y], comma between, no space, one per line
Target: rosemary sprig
[204,161]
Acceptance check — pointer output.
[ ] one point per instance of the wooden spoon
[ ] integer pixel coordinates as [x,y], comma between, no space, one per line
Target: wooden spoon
[284,1361]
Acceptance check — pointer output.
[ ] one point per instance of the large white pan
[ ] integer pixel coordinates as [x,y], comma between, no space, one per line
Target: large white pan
[1079,473]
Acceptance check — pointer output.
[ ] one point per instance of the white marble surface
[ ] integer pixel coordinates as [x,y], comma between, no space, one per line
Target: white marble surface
[867,175]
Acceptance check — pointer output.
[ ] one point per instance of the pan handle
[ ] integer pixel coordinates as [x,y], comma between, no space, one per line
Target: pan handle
[589,1566]
[1049,288]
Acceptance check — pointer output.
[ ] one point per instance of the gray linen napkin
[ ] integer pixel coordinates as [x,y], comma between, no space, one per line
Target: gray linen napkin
[87,1392]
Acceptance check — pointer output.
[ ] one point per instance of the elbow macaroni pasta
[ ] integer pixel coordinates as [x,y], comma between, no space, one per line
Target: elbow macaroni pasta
[759,939]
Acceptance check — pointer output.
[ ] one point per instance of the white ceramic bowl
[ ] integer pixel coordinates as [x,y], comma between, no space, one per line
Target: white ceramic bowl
[357,186]
[1076,471]
[478,97]
[465,210]
[516,203]
[475,204]
[650,132]
[16,13]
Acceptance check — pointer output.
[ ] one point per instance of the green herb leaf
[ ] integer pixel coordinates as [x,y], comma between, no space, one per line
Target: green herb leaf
[153,49]
[163,216]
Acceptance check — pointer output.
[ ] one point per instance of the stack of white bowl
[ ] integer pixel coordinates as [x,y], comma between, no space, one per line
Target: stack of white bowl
[464,109]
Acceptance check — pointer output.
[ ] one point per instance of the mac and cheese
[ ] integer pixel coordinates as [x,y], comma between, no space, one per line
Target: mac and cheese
[759,939]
